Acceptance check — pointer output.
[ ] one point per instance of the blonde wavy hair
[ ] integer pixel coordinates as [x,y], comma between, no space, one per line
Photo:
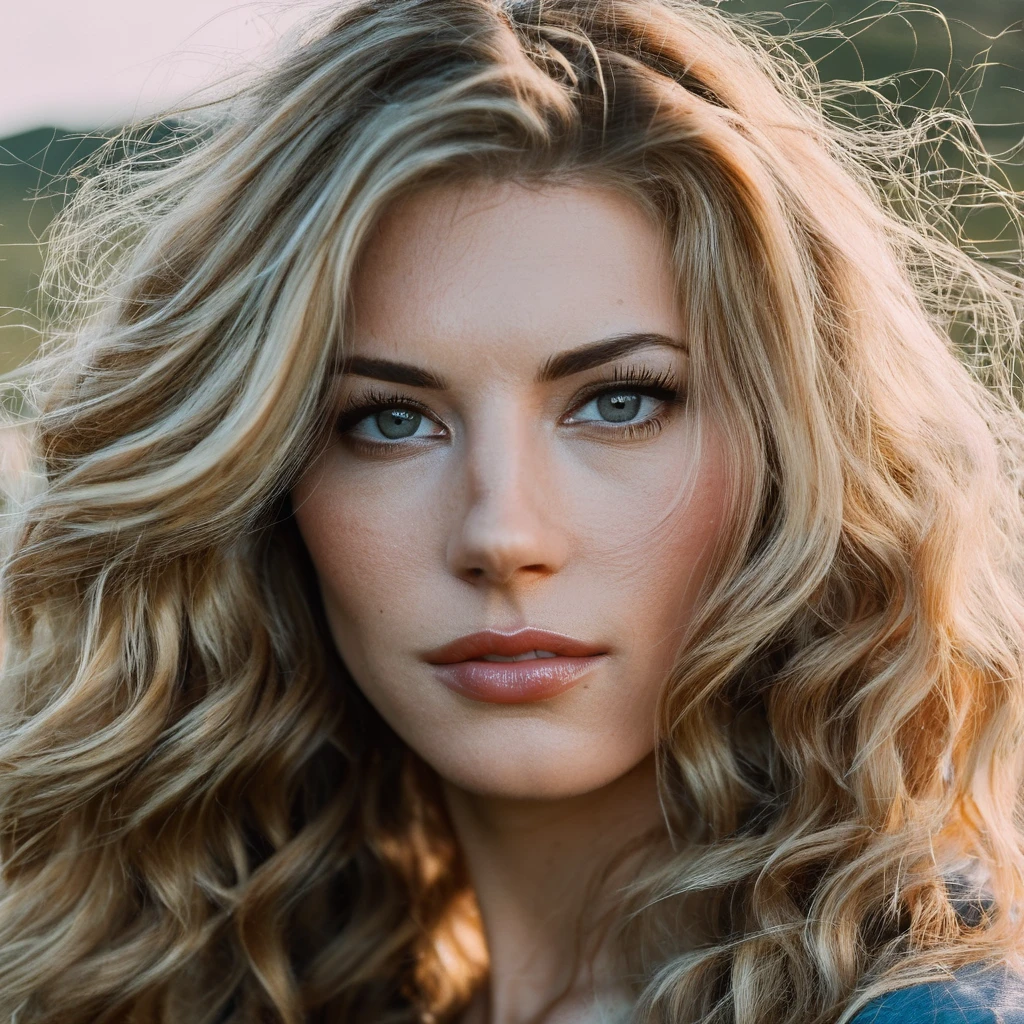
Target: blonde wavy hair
[202,819]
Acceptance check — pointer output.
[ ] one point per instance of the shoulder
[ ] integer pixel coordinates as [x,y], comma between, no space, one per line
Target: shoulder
[973,996]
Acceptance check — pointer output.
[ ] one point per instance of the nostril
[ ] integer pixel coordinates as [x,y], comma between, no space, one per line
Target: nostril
[477,572]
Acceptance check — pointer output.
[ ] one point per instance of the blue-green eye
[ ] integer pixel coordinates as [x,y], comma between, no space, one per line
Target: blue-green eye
[618,406]
[396,423]
[393,423]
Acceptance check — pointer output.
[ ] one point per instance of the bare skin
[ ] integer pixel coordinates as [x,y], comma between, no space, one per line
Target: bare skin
[527,859]
[491,492]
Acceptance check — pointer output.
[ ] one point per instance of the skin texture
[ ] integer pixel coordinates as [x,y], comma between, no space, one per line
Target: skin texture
[517,504]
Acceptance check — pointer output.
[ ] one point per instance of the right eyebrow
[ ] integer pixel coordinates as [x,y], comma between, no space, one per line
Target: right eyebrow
[396,373]
[586,357]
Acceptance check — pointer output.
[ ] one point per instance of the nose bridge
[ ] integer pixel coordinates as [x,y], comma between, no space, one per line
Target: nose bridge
[496,461]
[506,525]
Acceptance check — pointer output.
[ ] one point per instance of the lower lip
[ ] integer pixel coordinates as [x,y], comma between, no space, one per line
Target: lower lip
[516,682]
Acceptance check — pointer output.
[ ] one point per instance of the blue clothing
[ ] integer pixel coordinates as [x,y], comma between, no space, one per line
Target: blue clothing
[992,996]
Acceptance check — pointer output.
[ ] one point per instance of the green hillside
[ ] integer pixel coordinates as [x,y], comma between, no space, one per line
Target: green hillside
[32,189]
[978,48]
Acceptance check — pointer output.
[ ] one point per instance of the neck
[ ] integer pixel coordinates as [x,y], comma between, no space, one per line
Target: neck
[534,864]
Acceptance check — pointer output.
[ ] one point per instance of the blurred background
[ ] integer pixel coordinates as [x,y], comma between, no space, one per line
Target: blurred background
[73,72]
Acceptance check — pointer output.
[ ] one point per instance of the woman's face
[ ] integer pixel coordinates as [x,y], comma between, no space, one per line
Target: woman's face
[514,475]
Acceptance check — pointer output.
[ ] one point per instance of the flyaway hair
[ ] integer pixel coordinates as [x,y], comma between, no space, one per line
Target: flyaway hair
[201,819]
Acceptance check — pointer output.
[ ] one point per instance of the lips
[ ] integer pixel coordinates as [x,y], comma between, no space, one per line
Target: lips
[514,668]
[509,645]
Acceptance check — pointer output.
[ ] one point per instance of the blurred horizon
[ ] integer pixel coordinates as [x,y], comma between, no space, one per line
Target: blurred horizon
[162,59]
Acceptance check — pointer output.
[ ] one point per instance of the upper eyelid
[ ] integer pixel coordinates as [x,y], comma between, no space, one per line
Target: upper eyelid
[370,401]
[659,381]
[596,387]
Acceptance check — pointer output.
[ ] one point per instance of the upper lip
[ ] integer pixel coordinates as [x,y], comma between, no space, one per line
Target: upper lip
[521,641]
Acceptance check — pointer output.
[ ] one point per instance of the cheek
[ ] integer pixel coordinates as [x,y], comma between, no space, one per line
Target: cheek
[648,531]
[667,536]
[681,547]
[368,543]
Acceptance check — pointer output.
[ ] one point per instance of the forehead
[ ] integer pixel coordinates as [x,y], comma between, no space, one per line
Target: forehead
[501,271]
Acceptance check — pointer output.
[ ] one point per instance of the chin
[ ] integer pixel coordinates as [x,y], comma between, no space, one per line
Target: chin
[522,770]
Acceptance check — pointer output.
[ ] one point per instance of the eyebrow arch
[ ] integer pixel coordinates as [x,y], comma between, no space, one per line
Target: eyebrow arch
[397,373]
[586,357]
[565,364]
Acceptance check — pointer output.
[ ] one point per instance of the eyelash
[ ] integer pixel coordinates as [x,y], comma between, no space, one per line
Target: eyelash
[643,380]
[371,401]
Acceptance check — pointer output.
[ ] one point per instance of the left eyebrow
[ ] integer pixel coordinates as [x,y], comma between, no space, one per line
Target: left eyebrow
[586,357]
[396,373]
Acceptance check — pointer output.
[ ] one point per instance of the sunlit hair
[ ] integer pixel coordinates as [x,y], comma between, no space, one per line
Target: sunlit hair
[202,819]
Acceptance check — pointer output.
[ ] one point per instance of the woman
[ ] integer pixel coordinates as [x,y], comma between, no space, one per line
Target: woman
[515,540]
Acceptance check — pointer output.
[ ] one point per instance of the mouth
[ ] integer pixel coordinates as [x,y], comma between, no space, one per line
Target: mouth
[514,668]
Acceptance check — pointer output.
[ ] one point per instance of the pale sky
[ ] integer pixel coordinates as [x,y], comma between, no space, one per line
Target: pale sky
[96,63]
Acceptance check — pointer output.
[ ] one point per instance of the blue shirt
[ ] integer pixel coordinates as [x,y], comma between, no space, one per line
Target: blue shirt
[974,996]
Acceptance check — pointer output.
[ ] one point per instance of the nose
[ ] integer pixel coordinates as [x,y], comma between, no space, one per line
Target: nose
[509,531]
